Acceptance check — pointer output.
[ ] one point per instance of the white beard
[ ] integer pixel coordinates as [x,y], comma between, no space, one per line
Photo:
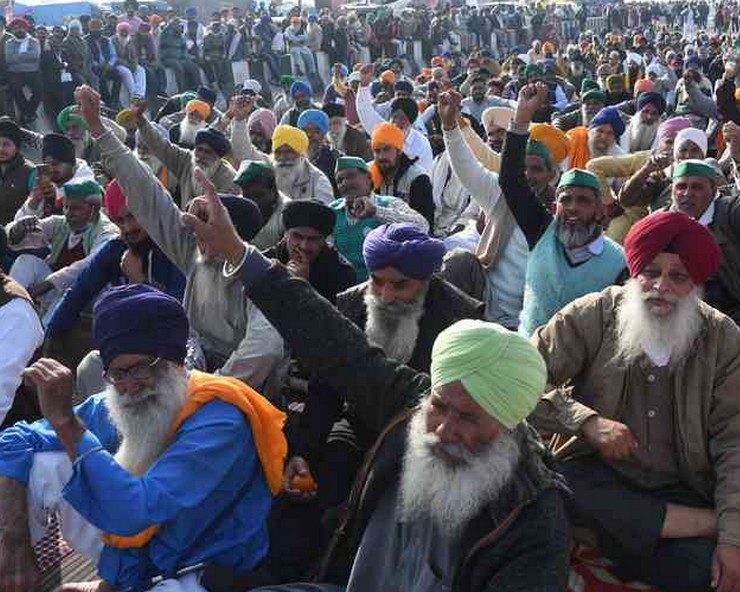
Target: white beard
[208,171]
[640,135]
[144,420]
[336,139]
[594,152]
[81,145]
[188,131]
[286,176]
[451,495]
[641,332]
[394,326]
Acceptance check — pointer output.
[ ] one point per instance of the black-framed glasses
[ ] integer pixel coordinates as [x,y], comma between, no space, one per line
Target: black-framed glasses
[137,372]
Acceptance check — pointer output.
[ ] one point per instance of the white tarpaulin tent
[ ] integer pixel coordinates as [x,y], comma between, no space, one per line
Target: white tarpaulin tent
[53,12]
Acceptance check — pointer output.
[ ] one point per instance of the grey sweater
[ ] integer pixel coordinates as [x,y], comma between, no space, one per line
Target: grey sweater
[26,61]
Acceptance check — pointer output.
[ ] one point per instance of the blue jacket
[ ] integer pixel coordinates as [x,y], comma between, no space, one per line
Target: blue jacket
[103,268]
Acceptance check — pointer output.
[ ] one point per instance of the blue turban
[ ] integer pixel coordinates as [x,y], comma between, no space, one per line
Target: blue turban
[404,247]
[608,116]
[344,70]
[300,87]
[218,142]
[692,62]
[139,319]
[314,117]
[651,98]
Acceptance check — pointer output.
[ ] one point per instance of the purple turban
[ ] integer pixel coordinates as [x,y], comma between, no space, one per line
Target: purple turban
[670,127]
[139,319]
[404,247]
[609,116]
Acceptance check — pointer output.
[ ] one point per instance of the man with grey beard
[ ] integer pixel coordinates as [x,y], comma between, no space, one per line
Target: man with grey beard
[173,469]
[643,125]
[502,529]
[569,254]
[645,379]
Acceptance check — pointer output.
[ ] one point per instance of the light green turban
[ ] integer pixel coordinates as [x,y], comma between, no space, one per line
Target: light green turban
[501,370]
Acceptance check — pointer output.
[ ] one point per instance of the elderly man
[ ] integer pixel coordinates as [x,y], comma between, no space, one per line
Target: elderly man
[16,173]
[600,138]
[257,182]
[300,93]
[360,209]
[296,176]
[570,256]
[438,510]
[394,173]
[643,126]
[235,338]
[19,326]
[196,117]
[646,377]
[165,470]
[210,148]
[70,238]
[343,137]
[260,126]
[315,124]
[306,253]
[403,114]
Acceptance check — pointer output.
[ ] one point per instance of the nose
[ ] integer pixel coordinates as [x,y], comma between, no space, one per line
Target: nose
[387,295]
[128,387]
[662,285]
[446,431]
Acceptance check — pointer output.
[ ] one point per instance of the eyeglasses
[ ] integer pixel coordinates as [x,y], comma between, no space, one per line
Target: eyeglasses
[138,372]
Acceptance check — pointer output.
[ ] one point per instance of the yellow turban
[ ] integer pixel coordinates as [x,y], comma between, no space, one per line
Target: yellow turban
[292,137]
[386,133]
[497,117]
[501,370]
[554,139]
[197,106]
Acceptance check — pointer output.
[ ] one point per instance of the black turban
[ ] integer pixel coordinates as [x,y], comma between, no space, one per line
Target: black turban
[310,213]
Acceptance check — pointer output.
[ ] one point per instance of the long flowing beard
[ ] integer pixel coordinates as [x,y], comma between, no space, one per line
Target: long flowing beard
[639,331]
[144,420]
[188,132]
[208,171]
[451,495]
[336,138]
[80,145]
[573,236]
[594,151]
[394,326]
[641,136]
[287,175]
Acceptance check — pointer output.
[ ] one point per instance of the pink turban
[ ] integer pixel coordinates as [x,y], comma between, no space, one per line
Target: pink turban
[264,119]
[670,127]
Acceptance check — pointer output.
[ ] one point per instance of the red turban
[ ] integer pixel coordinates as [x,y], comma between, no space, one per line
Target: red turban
[672,232]
[113,199]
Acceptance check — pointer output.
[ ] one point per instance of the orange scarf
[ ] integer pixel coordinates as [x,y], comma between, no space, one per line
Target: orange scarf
[265,420]
[579,152]
[376,176]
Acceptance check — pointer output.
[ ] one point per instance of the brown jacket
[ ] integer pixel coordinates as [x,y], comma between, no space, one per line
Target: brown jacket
[579,347]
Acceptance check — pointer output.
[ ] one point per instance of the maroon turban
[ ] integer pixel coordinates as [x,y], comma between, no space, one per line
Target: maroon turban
[672,232]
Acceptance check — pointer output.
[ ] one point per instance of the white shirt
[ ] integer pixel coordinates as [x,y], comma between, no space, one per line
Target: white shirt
[708,215]
[19,325]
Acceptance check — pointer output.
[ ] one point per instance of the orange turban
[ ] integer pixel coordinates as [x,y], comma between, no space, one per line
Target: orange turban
[388,77]
[643,85]
[555,140]
[548,47]
[197,106]
[388,134]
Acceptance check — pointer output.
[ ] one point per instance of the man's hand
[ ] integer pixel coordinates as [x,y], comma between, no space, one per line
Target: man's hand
[240,107]
[297,467]
[38,289]
[54,385]
[660,159]
[367,73]
[613,440]
[209,220]
[22,227]
[88,106]
[448,107]
[133,267]
[298,266]
[18,569]
[532,98]
[726,568]
[362,207]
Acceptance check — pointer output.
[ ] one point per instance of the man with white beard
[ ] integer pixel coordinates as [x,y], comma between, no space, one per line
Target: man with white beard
[502,529]
[197,113]
[643,126]
[646,377]
[210,147]
[296,177]
[172,468]
[343,137]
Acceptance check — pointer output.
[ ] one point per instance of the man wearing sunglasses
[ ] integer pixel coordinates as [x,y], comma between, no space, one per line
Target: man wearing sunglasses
[163,472]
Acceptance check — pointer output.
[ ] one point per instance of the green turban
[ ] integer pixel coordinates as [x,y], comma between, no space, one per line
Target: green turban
[251,170]
[69,115]
[694,168]
[536,148]
[580,178]
[501,370]
[351,162]
[83,189]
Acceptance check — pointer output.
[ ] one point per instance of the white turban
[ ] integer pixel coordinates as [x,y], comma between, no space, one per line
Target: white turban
[691,134]
[497,117]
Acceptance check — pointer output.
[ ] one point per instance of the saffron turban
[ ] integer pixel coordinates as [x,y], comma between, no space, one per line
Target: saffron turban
[292,137]
[200,107]
[388,77]
[651,98]
[408,106]
[643,85]
[218,142]
[672,232]
[300,87]
[139,319]
[555,140]
[501,370]
[264,119]
[404,247]
[608,116]
[314,117]
[690,134]
[389,134]
[497,117]
[113,199]
[670,127]
[68,116]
